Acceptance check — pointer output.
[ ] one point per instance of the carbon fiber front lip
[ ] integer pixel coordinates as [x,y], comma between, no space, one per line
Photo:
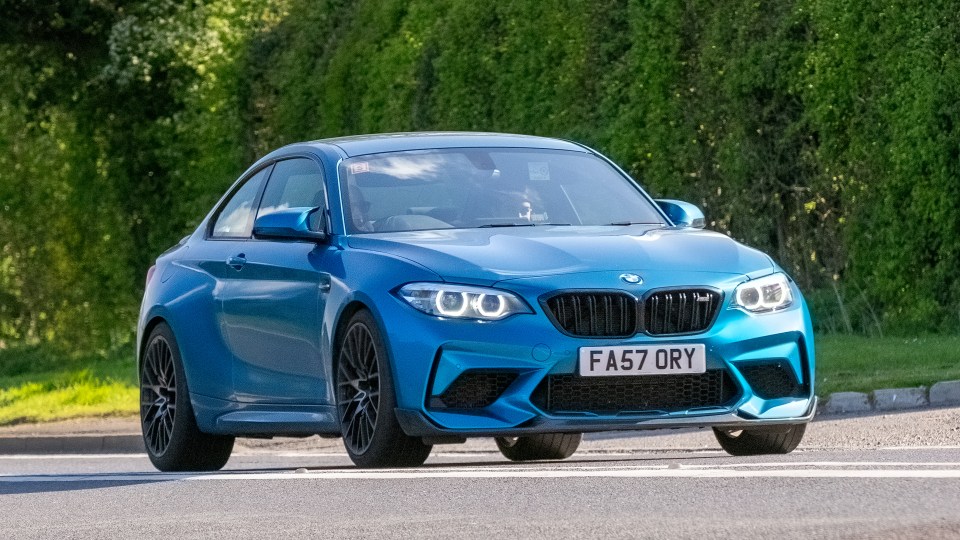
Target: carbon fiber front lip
[416,424]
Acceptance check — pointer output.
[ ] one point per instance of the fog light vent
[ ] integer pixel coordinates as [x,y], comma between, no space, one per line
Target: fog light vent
[474,389]
[772,380]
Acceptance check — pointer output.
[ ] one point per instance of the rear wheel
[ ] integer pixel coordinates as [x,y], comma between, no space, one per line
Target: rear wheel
[758,441]
[540,446]
[170,432]
[366,400]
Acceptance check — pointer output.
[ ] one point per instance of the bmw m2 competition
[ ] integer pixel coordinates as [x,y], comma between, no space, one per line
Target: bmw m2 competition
[407,290]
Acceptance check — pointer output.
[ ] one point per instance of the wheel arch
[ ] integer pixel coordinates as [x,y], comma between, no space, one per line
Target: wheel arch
[351,308]
[148,328]
[347,313]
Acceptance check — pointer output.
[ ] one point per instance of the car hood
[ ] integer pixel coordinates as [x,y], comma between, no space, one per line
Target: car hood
[490,255]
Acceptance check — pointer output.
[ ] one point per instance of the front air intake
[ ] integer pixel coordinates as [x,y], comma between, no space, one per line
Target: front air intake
[635,394]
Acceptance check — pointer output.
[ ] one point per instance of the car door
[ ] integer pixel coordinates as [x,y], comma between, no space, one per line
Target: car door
[228,234]
[272,308]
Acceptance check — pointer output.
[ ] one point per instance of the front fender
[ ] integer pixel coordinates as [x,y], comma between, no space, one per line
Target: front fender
[366,278]
[188,303]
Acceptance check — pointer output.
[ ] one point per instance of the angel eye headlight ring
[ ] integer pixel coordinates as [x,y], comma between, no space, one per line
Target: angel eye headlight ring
[764,295]
[454,301]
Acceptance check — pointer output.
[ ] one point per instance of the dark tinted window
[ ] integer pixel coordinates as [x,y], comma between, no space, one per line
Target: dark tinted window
[235,219]
[295,183]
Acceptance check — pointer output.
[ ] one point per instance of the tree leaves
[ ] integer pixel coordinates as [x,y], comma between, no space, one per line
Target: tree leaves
[823,132]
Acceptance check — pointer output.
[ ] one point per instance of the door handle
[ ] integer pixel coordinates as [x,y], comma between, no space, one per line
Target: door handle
[237,261]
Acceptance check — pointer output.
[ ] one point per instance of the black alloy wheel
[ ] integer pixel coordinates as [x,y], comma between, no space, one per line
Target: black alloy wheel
[170,433]
[158,396]
[366,400]
[358,388]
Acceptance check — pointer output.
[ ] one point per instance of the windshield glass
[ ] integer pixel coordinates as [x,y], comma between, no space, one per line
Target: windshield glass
[487,187]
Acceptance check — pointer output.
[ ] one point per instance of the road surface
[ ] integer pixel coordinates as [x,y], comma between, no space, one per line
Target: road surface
[879,476]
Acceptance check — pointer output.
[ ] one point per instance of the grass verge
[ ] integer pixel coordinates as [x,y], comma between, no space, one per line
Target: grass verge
[860,364]
[37,386]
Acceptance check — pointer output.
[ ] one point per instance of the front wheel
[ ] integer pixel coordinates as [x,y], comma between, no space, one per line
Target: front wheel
[366,401]
[540,446]
[170,432]
[759,441]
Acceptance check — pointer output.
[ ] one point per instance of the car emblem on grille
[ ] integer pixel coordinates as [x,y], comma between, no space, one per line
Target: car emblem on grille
[633,279]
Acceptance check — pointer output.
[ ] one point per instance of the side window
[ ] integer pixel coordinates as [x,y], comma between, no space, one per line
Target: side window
[295,183]
[236,217]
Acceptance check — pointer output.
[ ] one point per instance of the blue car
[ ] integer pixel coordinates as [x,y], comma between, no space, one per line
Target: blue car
[413,289]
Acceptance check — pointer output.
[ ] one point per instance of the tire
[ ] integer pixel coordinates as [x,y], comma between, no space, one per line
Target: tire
[170,432]
[755,442]
[366,400]
[540,446]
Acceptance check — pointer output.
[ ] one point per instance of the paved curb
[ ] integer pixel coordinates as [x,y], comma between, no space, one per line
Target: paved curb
[945,392]
[72,444]
[941,394]
[846,402]
[895,399]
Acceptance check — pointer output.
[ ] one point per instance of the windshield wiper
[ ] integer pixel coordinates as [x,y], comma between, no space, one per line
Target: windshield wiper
[625,223]
[508,224]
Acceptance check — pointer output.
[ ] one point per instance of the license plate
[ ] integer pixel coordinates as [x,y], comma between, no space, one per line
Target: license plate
[643,360]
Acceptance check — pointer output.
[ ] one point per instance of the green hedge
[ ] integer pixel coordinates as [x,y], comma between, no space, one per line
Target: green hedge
[823,132]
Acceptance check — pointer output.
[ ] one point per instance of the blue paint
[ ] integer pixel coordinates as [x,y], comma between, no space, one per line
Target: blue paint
[256,317]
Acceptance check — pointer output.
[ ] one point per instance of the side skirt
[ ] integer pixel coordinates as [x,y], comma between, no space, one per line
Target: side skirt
[222,417]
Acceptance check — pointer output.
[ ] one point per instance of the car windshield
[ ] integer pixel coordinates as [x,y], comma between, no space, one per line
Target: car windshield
[487,187]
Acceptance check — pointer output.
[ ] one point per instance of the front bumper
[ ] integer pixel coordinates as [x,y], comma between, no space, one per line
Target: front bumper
[428,355]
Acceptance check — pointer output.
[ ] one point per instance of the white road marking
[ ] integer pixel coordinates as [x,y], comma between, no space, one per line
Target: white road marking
[54,457]
[838,464]
[794,469]
[942,447]
[466,453]
[600,454]
[380,475]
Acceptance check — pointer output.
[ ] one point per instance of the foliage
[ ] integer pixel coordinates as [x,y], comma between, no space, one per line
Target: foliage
[823,132]
[37,384]
[61,239]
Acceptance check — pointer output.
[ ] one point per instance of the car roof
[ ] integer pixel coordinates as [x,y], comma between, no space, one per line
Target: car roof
[359,145]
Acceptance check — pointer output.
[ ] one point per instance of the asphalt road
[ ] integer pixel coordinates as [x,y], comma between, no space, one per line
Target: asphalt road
[882,476]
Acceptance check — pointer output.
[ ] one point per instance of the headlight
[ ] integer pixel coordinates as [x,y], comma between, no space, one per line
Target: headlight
[462,301]
[765,294]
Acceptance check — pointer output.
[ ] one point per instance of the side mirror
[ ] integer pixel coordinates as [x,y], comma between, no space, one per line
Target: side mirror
[290,224]
[682,214]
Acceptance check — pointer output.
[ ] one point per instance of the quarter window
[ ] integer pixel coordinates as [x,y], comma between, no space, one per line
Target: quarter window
[295,183]
[236,217]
